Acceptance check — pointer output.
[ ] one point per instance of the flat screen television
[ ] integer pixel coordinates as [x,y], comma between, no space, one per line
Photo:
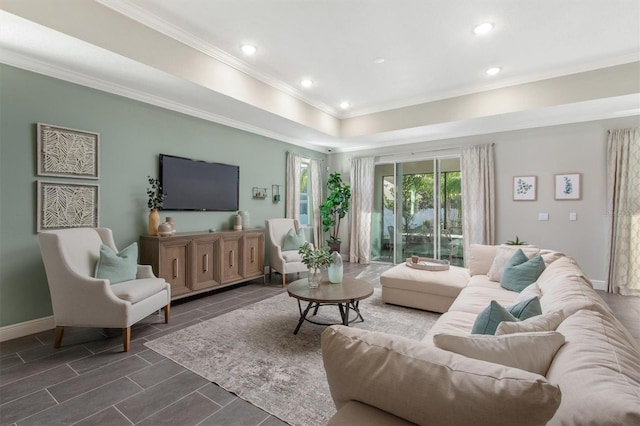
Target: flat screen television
[198,185]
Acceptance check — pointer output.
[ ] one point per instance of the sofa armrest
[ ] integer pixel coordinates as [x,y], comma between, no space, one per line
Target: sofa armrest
[426,385]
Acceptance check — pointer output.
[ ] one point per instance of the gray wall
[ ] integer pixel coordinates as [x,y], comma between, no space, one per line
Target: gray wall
[543,152]
[132,134]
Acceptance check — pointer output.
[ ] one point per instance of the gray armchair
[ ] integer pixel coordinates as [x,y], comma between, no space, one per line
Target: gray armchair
[80,300]
[284,262]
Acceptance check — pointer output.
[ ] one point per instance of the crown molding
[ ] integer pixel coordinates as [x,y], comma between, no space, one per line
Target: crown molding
[51,70]
[144,17]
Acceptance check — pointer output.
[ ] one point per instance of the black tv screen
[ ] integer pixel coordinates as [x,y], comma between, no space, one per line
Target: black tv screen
[198,185]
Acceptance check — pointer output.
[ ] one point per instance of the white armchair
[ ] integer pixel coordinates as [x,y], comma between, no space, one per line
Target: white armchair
[80,300]
[284,262]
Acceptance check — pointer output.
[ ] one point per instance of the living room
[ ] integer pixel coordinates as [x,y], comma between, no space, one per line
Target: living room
[135,128]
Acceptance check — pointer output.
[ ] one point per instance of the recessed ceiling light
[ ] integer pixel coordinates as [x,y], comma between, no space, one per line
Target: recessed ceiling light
[248,49]
[483,28]
[306,82]
[378,60]
[493,71]
[344,105]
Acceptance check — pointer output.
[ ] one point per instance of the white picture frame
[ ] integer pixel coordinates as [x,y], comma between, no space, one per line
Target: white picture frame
[66,152]
[568,186]
[67,205]
[525,188]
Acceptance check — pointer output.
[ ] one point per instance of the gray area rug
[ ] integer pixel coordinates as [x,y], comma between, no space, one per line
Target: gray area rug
[253,353]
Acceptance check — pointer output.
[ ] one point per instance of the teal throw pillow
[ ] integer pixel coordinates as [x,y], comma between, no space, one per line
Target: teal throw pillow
[118,267]
[520,271]
[294,240]
[487,321]
[526,309]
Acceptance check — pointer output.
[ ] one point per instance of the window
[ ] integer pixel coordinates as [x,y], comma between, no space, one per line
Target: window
[304,193]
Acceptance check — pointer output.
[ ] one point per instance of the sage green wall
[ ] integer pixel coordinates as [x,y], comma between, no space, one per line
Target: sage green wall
[132,134]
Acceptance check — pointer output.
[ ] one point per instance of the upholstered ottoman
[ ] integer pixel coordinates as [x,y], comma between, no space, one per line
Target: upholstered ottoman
[429,290]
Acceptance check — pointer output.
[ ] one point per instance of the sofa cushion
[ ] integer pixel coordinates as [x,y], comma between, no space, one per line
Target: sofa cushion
[293,240]
[520,271]
[426,385]
[503,254]
[117,267]
[525,309]
[475,299]
[544,322]
[291,256]
[528,351]
[487,321]
[532,290]
[357,413]
[480,258]
[598,370]
[452,322]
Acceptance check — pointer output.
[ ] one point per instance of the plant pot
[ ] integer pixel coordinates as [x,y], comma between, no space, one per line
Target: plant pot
[333,247]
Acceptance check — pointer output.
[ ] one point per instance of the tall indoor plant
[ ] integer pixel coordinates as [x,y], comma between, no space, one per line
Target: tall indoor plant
[335,208]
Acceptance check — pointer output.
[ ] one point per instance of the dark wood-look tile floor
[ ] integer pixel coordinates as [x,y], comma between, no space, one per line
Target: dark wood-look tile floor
[90,381]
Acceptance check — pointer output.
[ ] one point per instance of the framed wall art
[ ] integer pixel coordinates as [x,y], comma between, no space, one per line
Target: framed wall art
[67,205]
[65,152]
[567,186]
[524,188]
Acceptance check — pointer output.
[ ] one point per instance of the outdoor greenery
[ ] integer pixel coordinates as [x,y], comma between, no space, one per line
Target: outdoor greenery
[315,258]
[334,209]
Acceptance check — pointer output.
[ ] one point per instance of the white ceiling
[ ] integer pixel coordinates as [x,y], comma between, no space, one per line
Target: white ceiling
[429,49]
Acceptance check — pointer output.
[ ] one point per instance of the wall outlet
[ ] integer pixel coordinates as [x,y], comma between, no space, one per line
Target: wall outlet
[543,216]
[573,216]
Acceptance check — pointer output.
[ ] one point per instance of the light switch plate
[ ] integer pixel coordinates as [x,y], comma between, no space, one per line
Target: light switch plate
[543,216]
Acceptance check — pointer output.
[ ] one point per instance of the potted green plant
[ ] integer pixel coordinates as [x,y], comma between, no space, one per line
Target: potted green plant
[314,259]
[334,209]
[517,242]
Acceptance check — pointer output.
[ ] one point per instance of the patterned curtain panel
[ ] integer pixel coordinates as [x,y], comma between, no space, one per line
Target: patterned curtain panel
[478,195]
[361,209]
[623,181]
[316,200]
[292,198]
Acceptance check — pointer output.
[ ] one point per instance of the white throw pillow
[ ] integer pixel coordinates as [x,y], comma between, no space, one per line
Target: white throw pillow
[544,322]
[532,352]
[529,292]
[503,254]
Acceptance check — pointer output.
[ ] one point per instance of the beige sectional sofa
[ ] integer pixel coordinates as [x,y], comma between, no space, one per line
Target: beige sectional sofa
[592,379]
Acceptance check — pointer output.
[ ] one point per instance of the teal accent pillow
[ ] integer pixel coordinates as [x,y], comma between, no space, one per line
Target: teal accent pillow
[526,309]
[118,267]
[487,321]
[294,240]
[520,271]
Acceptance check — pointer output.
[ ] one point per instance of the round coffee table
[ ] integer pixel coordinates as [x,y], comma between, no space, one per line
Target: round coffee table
[346,296]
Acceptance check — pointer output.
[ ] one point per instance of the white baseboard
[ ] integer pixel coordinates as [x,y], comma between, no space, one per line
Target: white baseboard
[599,284]
[26,328]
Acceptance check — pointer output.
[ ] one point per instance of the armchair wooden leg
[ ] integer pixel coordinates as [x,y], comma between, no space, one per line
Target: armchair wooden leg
[167,309]
[59,333]
[269,273]
[284,279]
[126,338]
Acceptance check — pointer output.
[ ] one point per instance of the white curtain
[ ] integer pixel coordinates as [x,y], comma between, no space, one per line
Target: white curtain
[316,200]
[361,209]
[478,195]
[623,182]
[292,190]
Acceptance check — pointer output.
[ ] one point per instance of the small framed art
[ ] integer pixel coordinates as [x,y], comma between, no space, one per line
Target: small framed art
[524,188]
[567,186]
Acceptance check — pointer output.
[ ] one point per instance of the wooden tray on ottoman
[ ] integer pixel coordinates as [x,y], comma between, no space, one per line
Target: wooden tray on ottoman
[429,264]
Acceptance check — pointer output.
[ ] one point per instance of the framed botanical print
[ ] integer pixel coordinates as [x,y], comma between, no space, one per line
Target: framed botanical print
[524,188]
[568,186]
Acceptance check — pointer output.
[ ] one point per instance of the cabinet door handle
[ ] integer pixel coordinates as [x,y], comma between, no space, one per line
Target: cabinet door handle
[230,258]
[175,268]
[252,256]
[205,262]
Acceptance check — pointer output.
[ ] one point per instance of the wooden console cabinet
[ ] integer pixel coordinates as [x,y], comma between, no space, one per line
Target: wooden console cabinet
[197,262]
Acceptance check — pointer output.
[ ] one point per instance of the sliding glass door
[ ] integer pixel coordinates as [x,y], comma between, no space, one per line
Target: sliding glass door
[418,211]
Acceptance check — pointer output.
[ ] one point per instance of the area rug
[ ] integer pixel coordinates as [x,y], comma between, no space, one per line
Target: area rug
[253,353]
